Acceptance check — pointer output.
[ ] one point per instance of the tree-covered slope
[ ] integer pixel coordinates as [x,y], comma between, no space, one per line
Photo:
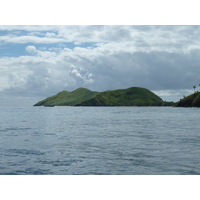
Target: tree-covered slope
[66,98]
[192,100]
[134,96]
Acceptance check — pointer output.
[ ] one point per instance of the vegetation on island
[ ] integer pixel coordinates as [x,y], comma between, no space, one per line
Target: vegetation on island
[133,96]
[192,100]
[66,98]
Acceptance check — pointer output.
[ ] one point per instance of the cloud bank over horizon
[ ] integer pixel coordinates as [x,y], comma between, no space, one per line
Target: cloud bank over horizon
[40,61]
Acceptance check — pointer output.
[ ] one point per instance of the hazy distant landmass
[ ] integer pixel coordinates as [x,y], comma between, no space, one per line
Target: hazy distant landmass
[192,100]
[133,96]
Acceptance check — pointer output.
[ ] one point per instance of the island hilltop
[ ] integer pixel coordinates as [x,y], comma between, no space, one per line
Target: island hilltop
[192,100]
[133,96]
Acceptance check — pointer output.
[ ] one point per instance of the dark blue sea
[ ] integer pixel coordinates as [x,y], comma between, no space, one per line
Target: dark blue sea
[99,141]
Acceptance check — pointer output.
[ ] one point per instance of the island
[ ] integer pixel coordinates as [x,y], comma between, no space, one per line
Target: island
[192,100]
[133,96]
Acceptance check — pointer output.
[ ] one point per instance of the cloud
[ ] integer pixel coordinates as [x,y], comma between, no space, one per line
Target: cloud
[81,75]
[41,53]
[30,39]
[31,49]
[49,34]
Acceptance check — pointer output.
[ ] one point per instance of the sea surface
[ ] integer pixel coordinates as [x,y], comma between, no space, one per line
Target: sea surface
[99,141]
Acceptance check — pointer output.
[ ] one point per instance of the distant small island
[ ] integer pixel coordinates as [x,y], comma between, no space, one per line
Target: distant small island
[133,96]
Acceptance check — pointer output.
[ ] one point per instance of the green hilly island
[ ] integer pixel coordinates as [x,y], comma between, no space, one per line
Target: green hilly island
[133,96]
[192,100]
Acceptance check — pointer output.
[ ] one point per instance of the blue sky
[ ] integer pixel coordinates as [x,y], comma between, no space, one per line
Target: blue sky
[40,61]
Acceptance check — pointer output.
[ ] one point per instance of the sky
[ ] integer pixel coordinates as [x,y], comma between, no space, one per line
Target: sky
[37,61]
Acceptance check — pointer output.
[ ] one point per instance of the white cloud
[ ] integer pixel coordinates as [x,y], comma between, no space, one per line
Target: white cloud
[31,39]
[31,49]
[173,95]
[46,54]
[81,75]
[49,34]
[41,53]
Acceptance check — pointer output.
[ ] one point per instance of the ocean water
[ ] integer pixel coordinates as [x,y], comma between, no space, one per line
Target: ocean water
[99,141]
